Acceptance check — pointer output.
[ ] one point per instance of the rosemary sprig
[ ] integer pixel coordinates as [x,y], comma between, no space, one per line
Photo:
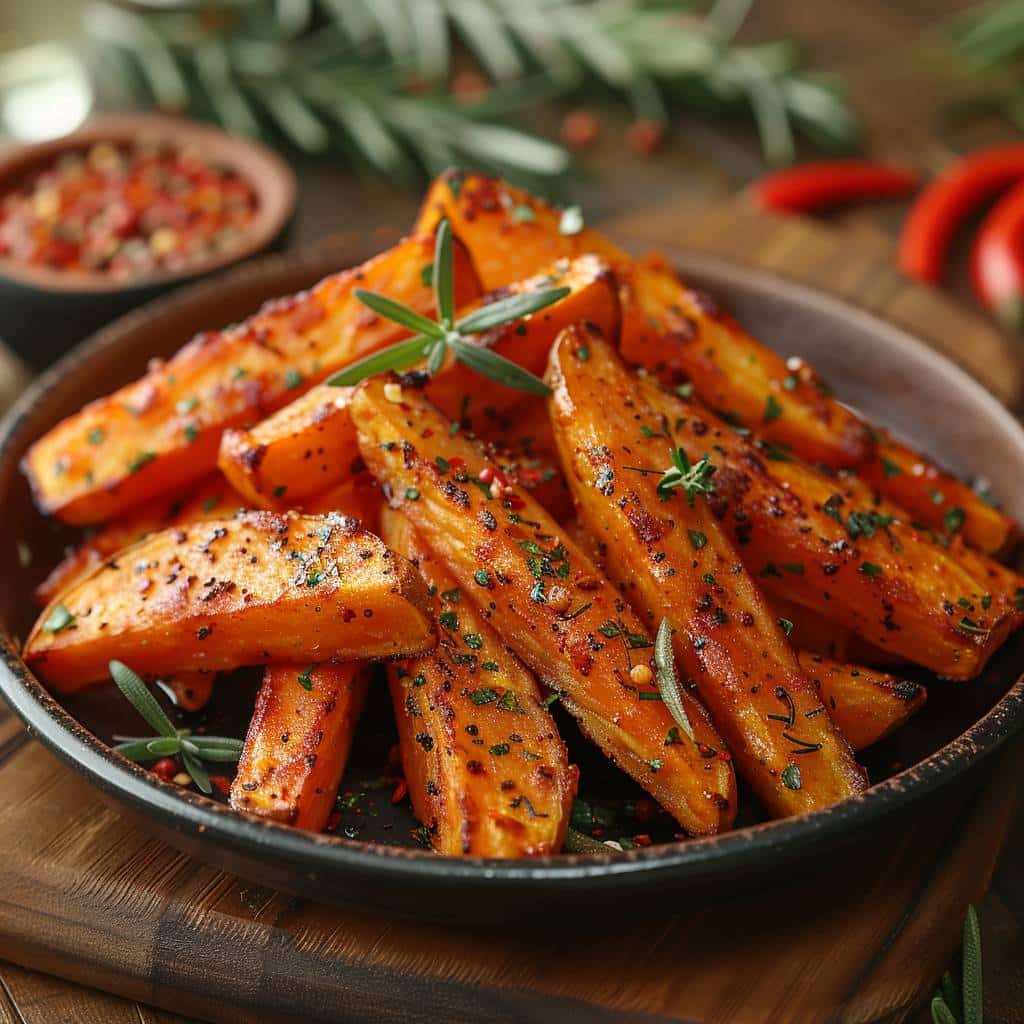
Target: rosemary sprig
[692,480]
[368,77]
[433,340]
[668,681]
[169,741]
[962,1004]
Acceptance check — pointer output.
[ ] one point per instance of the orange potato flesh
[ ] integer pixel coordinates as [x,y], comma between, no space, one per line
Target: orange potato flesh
[213,498]
[298,452]
[935,498]
[672,560]
[896,590]
[865,704]
[681,334]
[488,774]
[257,589]
[358,498]
[310,444]
[162,432]
[191,690]
[298,742]
[566,624]
[505,243]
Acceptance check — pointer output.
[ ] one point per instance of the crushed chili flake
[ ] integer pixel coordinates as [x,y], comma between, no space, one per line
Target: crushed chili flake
[126,210]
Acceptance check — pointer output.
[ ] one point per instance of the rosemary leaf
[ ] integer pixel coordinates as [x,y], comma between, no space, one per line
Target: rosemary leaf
[400,314]
[138,750]
[506,310]
[396,357]
[579,842]
[444,287]
[972,979]
[165,747]
[195,768]
[668,682]
[497,368]
[132,686]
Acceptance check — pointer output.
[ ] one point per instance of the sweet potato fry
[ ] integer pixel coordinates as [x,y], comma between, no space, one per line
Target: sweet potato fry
[864,703]
[547,602]
[163,432]
[935,498]
[672,560]
[257,589]
[214,498]
[298,452]
[681,334]
[191,690]
[488,774]
[808,540]
[298,742]
[310,444]
[510,233]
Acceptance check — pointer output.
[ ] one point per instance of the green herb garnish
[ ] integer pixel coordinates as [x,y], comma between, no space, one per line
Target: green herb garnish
[668,681]
[692,480]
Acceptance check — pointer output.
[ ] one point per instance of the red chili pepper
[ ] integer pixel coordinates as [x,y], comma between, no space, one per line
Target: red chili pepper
[826,183]
[997,260]
[942,207]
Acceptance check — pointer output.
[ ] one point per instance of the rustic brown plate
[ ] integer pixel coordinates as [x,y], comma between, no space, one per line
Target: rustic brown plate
[372,860]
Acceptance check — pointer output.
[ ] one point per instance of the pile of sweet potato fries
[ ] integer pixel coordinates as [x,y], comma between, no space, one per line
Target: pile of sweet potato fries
[687,542]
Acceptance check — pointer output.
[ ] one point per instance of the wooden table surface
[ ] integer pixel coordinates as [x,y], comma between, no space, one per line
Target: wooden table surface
[880,47]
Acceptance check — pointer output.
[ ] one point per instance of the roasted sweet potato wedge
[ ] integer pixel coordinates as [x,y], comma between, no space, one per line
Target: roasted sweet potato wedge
[358,497]
[163,432]
[258,589]
[684,335]
[298,452]
[488,774]
[808,540]
[213,498]
[865,704]
[935,498]
[547,602]
[673,560]
[510,233]
[298,742]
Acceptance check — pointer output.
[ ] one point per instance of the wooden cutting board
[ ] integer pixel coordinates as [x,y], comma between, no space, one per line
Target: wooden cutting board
[89,896]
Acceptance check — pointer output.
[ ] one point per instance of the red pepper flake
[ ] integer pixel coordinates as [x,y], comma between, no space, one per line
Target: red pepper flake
[643,839]
[221,783]
[399,793]
[166,768]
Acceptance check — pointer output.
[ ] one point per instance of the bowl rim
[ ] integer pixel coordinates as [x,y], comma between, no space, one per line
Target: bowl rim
[187,811]
[272,178]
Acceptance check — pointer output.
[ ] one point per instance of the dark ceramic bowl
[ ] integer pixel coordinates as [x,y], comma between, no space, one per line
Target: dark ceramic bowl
[43,312]
[938,760]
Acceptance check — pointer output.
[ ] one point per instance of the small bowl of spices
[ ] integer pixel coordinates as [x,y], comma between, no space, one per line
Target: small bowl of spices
[105,219]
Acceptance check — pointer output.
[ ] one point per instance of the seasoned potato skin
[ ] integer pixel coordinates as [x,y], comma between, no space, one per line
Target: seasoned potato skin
[895,589]
[213,498]
[566,624]
[298,452]
[505,246]
[931,496]
[298,742]
[254,590]
[865,703]
[163,432]
[673,560]
[359,497]
[488,774]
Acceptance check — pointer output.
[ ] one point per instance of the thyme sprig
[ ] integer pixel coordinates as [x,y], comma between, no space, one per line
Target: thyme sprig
[961,1003]
[169,741]
[692,480]
[433,339]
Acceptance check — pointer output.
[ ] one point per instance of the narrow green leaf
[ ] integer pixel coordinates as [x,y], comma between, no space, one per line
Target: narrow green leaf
[444,286]
[132,686]
[941,1013]
[165,747]
[195,768]
[972,978]
[506,310]
[395,311]
[497,368]
[396,357]
[137,750]
[436,358]
[668,681]
[579,842]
